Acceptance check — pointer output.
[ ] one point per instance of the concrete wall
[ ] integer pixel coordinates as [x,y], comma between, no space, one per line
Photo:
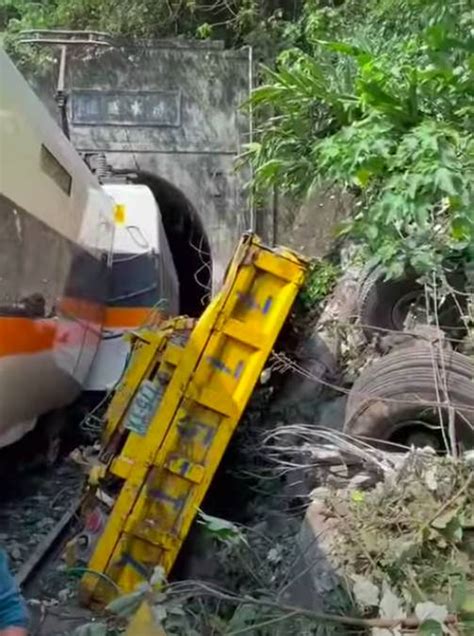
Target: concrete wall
[172,109]
[311,228]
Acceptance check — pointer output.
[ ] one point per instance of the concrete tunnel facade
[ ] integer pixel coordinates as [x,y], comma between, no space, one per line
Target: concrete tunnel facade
[170,114]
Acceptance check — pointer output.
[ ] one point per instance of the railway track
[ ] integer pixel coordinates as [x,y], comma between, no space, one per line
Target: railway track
[37,507]
[38,512]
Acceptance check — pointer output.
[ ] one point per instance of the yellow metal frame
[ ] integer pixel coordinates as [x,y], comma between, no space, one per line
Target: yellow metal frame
[167,472]
[148,349]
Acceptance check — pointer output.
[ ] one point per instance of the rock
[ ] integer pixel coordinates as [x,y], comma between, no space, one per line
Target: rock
[362,481]
[320,493]
[64,594]
[300,396]
[15,553]
[339,471]
[469,457]
[342,305]
[26,514]
[317,576]
[326,455]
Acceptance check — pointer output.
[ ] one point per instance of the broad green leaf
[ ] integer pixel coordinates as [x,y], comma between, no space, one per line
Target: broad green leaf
[252,148]
[265,95]
[441,521]
[244,616]
[348,49]
[467,607]
[422,261]
[372,231]
[204,31]
[430,611]
[462,228]
[390,606]
[363,176]
[444,180]
[220,528]
[430,627]
[358,496]
[270,169]
[126,605]
[380,97]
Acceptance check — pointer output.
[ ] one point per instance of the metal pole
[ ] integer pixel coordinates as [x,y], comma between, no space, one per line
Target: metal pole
[62,69]
[61,96]
[275,216]
[251,132]
[65,39]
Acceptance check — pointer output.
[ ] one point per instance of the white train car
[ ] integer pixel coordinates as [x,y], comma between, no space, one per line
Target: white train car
[56,237]
[80,264]
[144,286]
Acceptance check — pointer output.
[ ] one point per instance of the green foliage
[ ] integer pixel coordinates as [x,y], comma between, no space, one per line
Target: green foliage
[378,102]
[220,529]
[126,605]
[234,21]
[409,535]
[321,279]
[384,113]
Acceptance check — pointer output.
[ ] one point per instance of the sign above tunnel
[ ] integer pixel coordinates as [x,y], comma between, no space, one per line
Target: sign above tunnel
[126,108]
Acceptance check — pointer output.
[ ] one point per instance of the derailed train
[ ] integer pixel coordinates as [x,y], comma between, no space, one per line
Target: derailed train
[80,263]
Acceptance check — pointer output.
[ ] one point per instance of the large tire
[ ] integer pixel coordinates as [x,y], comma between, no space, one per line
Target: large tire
[383,305]
[393,398]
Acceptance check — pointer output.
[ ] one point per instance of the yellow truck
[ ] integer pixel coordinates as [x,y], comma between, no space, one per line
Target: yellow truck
[172,417]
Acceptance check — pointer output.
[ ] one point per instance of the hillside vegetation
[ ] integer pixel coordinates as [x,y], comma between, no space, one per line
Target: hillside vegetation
[375,97]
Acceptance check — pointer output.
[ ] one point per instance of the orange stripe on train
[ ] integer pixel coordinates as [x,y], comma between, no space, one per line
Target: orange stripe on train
[26,335]
[131,317]
[19,335]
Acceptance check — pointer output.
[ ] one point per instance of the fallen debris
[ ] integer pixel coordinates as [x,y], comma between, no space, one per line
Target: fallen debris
[404,546]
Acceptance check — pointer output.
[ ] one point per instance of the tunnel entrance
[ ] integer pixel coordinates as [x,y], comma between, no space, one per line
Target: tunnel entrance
[187,239]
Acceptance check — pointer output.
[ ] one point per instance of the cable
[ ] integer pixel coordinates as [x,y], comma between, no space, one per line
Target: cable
[100,575]
[85,424]
[153,312]
[361,325]
[133,294]
[205,265]
[283,363]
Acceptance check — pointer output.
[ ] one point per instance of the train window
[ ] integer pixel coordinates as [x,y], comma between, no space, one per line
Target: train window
[51,166]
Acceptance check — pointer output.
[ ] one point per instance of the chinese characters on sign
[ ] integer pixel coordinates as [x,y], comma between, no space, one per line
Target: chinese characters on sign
[126,108]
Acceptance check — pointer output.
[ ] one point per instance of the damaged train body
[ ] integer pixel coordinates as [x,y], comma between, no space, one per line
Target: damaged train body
[58,228]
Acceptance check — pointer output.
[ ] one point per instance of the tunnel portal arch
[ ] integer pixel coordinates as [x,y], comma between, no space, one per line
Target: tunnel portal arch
[187,239]
[171,112]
